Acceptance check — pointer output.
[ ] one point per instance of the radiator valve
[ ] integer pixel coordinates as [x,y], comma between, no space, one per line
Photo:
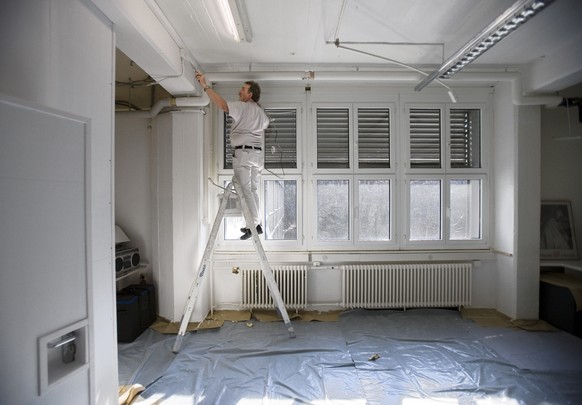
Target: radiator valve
[235,269]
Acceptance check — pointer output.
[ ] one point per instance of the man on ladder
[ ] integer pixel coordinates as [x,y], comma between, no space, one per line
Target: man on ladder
[247,138]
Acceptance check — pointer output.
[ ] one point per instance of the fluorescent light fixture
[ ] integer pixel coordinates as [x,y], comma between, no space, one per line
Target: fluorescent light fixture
[506,23]
[237,20]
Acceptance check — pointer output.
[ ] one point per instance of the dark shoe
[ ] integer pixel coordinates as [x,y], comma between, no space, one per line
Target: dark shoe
[247,232]
[259,230]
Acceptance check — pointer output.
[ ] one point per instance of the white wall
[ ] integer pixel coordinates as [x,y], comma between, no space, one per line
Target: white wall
[504,199]
[60,55]
[562,161]
[528,213]
[179,233]
[133,177]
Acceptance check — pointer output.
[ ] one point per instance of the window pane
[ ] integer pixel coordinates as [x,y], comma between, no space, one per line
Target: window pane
[465,138]
[280,209]
[281,139]
[333,149]
[425,210]
[465,209]
[333,210]
[374,210]
[233,218]
[373,138]
[425,138]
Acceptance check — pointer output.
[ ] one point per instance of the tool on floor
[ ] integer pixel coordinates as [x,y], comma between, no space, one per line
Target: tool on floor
[233,188]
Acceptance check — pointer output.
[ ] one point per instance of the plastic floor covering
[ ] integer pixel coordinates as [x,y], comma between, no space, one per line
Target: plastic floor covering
[382,357]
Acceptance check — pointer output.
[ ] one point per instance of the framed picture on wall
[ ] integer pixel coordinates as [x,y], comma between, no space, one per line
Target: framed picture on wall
[557,239]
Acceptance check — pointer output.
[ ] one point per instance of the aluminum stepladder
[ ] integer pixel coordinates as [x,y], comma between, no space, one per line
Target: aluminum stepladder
[233,188]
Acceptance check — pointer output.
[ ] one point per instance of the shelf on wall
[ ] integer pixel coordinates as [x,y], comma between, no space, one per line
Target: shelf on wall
[120,275]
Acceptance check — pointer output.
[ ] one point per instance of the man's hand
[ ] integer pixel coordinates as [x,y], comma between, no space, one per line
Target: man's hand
[201,79]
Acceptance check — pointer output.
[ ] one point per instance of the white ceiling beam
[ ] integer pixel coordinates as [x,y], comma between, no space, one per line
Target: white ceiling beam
[144,39]
[558,70]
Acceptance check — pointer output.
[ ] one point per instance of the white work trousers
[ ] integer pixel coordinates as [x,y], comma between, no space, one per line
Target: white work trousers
[247,165]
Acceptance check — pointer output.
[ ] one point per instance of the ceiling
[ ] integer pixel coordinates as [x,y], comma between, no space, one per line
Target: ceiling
[290,38]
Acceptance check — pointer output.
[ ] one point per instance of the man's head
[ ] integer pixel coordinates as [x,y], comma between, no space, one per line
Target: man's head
[250,91]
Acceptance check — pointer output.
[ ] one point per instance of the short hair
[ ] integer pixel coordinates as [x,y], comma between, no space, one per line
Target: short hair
[255,89]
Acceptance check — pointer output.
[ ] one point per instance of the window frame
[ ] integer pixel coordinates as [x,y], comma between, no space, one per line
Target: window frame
[387,244]
[223,244]
[279,244]
[399,174]
[312,231]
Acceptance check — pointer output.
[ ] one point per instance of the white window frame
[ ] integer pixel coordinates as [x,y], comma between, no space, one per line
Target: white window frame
[223,244]
[445,174]
[285,245]
[476,243]
[399,174]
[313,240]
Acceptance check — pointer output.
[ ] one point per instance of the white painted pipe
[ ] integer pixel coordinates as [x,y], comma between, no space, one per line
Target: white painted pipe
[385,76]
[201,101]
[518,97]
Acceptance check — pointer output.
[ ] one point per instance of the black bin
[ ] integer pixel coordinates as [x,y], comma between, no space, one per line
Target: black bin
[147,302]
[128,319]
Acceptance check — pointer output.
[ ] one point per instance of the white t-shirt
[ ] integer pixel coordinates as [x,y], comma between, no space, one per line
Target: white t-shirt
[250,122]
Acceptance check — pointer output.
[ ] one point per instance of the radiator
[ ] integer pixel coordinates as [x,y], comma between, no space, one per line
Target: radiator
[292,283]
[434,285]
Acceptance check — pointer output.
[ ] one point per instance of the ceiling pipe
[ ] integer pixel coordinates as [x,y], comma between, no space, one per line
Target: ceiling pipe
[518,97]
[201,101]
[177,102]
[383,76]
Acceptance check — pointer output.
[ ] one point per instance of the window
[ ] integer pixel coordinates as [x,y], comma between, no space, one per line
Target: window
[333,210]
[333,138]
[425,138]
[373,138]
[364,216]
[465,138]
[280,201]
[445,190]
[374,210]
[370,173]
[465,203]
[280,139]
[425,210]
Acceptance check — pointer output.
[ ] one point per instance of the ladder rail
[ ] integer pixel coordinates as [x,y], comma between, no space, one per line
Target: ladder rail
[193,294]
